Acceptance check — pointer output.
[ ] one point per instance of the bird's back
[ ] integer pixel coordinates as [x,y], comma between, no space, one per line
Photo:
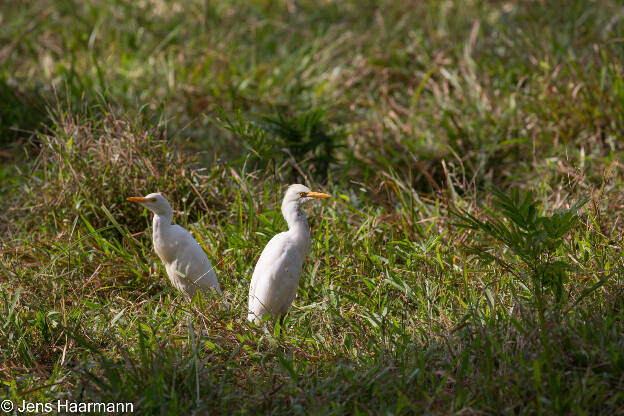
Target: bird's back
[186,262]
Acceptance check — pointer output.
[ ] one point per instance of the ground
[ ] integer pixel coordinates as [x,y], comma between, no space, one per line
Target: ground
[470,261]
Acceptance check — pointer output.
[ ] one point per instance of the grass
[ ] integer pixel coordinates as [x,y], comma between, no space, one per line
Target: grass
[452,272]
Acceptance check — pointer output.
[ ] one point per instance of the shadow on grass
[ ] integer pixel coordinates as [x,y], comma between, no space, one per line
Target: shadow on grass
[22,111]
[499,369]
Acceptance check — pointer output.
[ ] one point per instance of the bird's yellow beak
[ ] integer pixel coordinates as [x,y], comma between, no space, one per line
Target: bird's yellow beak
[138,199]
[317,195]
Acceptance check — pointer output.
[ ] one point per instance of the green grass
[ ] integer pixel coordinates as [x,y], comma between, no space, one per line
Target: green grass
[452,272]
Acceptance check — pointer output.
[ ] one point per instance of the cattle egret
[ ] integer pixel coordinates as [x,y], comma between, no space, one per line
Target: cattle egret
[186,263]
[276,276]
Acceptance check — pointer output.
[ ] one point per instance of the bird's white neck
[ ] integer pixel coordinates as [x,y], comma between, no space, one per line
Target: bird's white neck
[297,225]
[160,222]
[160,225]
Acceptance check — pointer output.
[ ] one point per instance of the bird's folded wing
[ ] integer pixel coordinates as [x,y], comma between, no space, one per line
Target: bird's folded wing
[268,264]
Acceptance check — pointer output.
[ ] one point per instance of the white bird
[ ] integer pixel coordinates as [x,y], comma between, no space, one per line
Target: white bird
[276,276]
[186,263]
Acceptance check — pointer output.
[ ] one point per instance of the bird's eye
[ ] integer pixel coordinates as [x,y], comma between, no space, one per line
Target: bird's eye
[302,194]
[153,200]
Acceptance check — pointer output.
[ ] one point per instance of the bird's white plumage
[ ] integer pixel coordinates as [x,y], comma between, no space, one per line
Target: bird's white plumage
[276,277]
[186,263]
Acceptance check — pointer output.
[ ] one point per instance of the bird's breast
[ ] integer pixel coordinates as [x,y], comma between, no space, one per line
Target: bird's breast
[166,250]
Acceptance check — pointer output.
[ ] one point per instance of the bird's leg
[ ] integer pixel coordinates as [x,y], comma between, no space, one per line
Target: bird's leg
[279,325]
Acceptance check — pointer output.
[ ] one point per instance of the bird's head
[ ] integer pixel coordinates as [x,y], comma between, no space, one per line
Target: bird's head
[155,202]
[299,194]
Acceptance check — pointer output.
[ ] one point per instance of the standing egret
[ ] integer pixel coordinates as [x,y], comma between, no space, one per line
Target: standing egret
[186,263]
[276,276]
